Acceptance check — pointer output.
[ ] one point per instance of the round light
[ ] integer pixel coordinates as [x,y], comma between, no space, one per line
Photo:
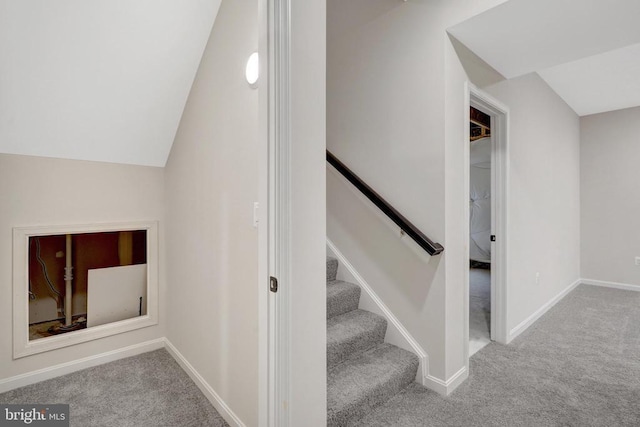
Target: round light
[252,72]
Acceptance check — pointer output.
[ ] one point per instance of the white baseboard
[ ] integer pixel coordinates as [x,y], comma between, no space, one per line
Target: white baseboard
[445,388]
[615,285]
[121,353]
[77,365]
[396,334]
[541,311]
[213,397]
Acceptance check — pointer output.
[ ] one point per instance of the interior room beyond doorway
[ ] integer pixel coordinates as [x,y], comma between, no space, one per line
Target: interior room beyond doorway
[480,231]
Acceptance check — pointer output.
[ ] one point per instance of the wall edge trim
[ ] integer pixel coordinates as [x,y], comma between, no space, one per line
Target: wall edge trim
[223,409]
[525,324]
[445,388]
[614,285]
[58,370]
[423,357]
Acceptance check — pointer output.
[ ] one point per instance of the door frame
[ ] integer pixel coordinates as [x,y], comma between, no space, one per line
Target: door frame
[499,114]
[274,212]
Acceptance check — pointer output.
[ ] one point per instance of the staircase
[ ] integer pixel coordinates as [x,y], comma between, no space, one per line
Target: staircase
[362,370]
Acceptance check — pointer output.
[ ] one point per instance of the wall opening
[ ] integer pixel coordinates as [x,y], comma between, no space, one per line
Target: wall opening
[480,207]
[68,272]
[78,283]
[494,142]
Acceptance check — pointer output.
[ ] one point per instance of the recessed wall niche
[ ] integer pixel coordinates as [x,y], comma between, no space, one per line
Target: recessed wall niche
[82,282]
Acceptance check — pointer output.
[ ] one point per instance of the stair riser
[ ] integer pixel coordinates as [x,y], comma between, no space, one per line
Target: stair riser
[332,269]
[343,303]
[377,398]
[383,391]
[363,371]
[338,352]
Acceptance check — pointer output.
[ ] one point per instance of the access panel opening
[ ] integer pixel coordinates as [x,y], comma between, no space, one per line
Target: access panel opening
[86,279]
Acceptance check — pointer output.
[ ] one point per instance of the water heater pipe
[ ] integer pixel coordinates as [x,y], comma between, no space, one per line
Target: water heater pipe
[68,279]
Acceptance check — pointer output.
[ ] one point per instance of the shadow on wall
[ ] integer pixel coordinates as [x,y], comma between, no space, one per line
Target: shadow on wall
[347,15]
[478,71]
[400,272]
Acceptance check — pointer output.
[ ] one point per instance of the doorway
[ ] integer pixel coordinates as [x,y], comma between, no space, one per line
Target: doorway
[480,231]
[486,163]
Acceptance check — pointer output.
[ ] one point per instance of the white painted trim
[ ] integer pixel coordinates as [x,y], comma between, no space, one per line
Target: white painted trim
[466,239]
[615,285]
[279,210]
[265,201]
[499,212]
[48,373]
[223,409]
[396,334]
[500,207]
[445,388]
[55,371]
[541,311]
[22,346]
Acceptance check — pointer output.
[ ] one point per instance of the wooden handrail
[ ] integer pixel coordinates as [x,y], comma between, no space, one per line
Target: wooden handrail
[433,248]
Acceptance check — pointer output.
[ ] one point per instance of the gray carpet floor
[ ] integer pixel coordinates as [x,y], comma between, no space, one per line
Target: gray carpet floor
[146,390]
[479,309]
[579,365]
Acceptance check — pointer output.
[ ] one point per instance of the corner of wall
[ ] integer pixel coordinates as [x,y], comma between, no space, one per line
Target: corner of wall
[221,406]
[445,388]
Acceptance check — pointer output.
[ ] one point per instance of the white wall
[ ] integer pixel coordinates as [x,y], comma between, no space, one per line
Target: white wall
[104,80]
[460,65]
[387,107]
[44,191]
[211,184]
[402,272]
[396,116]
[609,154]
[543,195]
[308,215]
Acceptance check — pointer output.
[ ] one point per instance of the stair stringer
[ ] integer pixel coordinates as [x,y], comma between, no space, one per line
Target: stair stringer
[396,334]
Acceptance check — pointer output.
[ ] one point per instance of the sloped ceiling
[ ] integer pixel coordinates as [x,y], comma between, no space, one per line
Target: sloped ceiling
[568,42]
[606,82]
[103,80]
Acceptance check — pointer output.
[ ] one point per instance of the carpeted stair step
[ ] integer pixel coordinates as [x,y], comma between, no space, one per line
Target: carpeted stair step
[358,385]
[352,333]
[342,297]
[332,269]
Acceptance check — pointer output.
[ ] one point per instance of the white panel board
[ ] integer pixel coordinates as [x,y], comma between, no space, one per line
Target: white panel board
[114,293]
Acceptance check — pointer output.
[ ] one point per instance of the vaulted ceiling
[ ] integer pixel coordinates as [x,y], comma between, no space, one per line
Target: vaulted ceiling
[103,80]
[588,51]
[107,80]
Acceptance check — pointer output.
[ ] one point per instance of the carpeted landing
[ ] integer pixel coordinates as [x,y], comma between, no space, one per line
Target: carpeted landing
[579,365]
[146,390]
